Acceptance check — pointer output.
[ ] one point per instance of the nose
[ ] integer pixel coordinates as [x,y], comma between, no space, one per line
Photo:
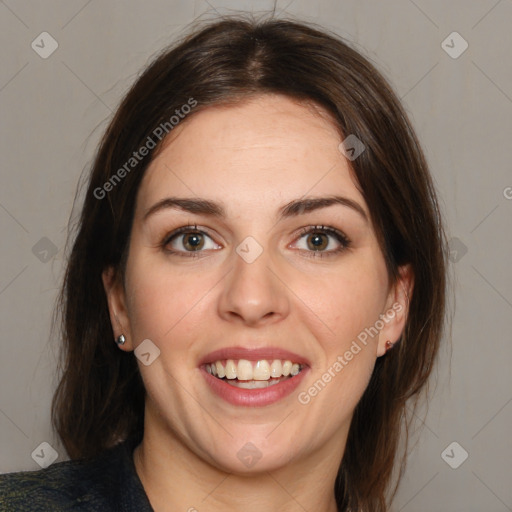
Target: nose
[253,293]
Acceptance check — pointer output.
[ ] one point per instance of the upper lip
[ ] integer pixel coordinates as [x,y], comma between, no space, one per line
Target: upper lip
[253,354]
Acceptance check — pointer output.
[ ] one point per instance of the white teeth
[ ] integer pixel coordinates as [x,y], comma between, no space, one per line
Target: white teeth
[276,368]
[287,368]
[259,371]
[254,384]
[244,370]
[230,369]
[220,370]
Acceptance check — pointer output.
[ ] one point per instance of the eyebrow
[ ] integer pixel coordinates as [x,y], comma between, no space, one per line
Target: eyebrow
[292,209]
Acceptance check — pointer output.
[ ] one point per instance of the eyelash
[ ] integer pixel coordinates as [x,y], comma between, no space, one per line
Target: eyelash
[338,235]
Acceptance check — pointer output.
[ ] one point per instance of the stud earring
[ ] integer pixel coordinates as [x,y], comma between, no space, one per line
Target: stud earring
[389,345]
[120,339]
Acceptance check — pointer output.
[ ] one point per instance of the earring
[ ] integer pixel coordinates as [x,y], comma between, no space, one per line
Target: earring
[120,339]
[389,345]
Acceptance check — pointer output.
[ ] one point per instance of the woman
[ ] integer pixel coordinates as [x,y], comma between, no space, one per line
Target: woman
[256,288]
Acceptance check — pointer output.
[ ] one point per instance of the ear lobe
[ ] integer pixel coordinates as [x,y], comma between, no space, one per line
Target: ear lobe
[397,309]
[119,319]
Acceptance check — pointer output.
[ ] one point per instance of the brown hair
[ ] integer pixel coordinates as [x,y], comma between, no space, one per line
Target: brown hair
[100,398]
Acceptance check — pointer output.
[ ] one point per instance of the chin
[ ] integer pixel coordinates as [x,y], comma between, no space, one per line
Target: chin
[251,460]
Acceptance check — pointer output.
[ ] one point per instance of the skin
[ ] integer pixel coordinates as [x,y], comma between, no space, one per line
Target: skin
[253,158]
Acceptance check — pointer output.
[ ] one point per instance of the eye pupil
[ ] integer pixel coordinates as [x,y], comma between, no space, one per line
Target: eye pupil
[193,241]
[317,241]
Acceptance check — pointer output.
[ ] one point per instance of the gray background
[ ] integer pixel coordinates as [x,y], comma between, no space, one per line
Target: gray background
[54,110]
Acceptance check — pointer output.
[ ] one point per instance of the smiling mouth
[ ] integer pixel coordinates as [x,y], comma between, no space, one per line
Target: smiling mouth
[246,374]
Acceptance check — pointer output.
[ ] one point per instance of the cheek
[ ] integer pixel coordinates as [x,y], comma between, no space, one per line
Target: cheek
[346,303]
[161,301]
[348,300]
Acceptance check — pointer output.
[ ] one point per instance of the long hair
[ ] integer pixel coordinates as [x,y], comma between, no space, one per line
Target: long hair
[100,397]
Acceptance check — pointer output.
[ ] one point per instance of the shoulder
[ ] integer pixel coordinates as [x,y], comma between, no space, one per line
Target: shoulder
[55,488]
[100,483]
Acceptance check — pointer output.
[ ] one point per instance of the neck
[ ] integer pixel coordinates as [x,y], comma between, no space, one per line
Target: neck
[175,478]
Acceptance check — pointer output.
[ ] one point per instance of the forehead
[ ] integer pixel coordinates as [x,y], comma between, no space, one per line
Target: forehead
[268,148]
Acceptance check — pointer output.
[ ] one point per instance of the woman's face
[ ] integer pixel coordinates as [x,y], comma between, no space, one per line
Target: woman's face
[259,283]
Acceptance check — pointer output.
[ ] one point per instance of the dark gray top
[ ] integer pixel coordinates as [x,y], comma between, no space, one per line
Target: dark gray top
[106,483]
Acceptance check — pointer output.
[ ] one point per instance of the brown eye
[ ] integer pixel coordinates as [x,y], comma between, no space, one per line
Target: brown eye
[321,240]
[187,241]
[193,241]
[317,241]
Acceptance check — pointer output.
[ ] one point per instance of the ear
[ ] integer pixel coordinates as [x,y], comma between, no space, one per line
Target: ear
[119,318]
[395,314]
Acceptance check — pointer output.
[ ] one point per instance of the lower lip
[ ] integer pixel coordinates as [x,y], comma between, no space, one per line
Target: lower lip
[253,397]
